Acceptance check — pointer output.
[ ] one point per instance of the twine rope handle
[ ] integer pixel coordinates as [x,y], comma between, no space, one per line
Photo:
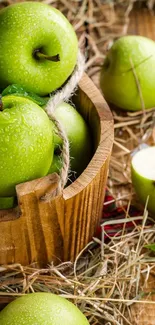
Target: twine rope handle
[63,95]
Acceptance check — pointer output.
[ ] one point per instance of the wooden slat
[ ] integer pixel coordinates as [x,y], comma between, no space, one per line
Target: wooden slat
[144,314]
[34,237]
[142,22]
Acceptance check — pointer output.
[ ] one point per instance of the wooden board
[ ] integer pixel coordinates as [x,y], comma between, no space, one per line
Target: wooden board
[57,228]
[144,314]
[142,22]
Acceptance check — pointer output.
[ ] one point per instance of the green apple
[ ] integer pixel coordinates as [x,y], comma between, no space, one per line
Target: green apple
[56,164]
[118,77]
[143,176]
[26,143]
[78,135]
[38,47]
[6,202]
[42,309]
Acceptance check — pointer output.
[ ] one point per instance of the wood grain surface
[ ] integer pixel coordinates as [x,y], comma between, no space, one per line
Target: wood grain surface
[48,226]
[142,22]
[144,314]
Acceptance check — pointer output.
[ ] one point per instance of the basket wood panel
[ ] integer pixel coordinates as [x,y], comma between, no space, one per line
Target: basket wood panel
[48,226]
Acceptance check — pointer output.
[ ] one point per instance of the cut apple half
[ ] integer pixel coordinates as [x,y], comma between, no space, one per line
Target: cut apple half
[143,176]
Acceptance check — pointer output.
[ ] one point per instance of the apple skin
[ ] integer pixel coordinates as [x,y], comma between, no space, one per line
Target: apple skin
[78,135]
[56,164]
[29,26]
[6,202]
[42,308]
[117,80]
[26,143]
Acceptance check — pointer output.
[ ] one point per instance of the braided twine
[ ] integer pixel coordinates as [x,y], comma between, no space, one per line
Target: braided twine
[63,95]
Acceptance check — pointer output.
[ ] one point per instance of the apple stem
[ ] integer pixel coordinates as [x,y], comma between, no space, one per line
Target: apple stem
[1,104]
[41,56]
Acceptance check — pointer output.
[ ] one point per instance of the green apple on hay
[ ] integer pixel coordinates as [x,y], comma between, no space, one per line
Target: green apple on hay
[127,77]
[143,176]
[42,308]
[38,47]
[26,143]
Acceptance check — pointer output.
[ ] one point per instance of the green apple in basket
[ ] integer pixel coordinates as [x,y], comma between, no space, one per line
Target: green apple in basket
[57,162]
[143,176]
[127,77]
[42,309]
[7,202]
[79,137]
[26,143]
[38,47]
[75,126]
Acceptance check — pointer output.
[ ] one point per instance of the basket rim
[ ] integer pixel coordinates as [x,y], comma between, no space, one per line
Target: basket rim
[104,148]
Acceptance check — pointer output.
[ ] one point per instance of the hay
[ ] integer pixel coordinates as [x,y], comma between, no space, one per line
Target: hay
[111,274]
[105,281]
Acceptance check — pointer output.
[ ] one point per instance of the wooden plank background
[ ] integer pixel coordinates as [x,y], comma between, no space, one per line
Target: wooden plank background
[142,22]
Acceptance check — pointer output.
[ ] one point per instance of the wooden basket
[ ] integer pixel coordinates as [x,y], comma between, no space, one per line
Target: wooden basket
[45,227]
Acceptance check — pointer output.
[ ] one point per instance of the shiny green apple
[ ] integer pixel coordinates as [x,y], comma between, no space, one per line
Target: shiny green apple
[42,309]
[143,176]
[130,59]
[78,135]
[38,47]
[6,202]
[26,143]
[56,165]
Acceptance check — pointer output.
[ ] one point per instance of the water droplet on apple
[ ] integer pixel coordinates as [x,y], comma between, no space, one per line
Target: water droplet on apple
[7,138]
[6,129]
[3,149]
